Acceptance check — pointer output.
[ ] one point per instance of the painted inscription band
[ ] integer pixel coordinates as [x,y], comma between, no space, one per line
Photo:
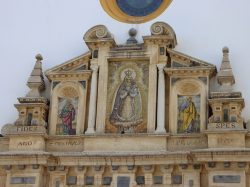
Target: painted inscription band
[224,126]
[27,129]
[24,144]
[66,143]
[186,142]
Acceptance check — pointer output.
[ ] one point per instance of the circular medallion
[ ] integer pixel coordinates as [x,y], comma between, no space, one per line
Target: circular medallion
[134,11]
[139,7]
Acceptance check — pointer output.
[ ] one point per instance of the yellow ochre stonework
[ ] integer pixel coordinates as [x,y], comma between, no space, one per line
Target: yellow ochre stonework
[137,114]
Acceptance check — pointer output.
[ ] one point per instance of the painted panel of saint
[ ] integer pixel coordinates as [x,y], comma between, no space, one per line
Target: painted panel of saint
[188,114]
[127,100]
[127,106]
[67,116]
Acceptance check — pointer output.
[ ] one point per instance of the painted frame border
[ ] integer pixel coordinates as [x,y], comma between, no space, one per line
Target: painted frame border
[111,7]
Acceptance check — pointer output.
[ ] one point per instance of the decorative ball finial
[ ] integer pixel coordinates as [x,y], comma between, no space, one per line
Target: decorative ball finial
[225,50]
[39,57]
[132,32]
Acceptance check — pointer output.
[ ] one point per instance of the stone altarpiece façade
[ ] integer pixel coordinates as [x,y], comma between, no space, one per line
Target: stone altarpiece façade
[138,114]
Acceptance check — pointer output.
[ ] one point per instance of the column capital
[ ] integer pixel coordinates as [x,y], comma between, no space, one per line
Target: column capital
[161,66]
[94,67]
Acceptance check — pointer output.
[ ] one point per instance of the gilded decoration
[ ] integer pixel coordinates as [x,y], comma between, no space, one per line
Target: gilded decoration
[127,99]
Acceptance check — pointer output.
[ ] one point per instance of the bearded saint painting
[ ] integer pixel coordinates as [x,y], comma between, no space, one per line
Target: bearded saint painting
[67,115]
[188,120]
[127,107]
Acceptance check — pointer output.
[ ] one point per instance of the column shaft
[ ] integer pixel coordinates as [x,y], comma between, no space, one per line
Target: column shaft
[92,103]
[161,100]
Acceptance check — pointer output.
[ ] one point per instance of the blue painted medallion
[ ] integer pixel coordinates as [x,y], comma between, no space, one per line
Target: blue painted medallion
[139,8]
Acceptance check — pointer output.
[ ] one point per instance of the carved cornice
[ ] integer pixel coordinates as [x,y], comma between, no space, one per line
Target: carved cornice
[227,100]
[126,54]
[215,95]
[198,71]
[222,155]
[43,105]
[37,100]
[25,158]
[60,76]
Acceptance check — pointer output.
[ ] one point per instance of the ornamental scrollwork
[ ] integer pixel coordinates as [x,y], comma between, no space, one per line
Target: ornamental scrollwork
[97,32]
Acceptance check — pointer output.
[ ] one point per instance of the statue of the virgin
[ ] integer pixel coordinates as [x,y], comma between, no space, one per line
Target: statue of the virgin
[127,105]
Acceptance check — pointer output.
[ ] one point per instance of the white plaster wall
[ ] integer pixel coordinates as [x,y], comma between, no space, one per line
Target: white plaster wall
[55,29]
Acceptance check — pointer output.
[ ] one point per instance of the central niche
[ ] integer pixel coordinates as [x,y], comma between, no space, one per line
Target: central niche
[127,97]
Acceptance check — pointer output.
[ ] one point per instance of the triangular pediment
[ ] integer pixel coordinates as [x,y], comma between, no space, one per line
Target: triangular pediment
[75,65]
[181,60]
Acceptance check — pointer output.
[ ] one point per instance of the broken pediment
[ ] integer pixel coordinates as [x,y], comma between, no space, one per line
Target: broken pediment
[79,64]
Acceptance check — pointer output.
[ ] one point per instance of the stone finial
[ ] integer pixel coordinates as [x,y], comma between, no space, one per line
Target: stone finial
[132,33]
[225,76]
[36,79]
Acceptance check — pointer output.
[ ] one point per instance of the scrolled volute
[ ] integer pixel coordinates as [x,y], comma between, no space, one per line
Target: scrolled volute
[6,129]
[97,32]
[161,28]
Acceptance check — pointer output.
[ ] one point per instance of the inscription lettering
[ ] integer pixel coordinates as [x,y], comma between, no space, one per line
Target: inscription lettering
[225,140]
[67,143]
[226,125]
[26,128]
[25,144]
[186,142]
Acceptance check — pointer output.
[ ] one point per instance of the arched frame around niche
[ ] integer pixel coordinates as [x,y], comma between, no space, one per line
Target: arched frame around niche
[81,94]
[187,87]
[111,7]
